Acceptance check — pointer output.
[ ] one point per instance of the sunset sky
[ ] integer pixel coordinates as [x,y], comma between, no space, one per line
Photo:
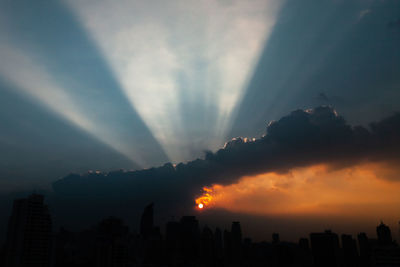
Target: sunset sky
[281,109]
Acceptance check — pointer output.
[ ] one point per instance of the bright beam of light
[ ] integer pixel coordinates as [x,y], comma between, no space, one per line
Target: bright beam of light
[153,45]
[31,79]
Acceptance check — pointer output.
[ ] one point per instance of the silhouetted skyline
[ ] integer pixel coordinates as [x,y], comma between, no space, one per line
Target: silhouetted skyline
[280,116]
[31,241]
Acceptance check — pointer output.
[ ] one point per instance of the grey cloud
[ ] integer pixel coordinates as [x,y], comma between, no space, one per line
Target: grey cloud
[302,138]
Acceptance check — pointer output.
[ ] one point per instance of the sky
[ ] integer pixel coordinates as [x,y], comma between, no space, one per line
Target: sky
[172,89]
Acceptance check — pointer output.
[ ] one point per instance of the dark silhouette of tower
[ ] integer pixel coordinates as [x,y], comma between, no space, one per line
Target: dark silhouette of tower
[29,233]
[365,249]
[275,238]
[111,243]
[349,247]
[384,234]
[305,258]
[207,246]
[236,239]
[227,245]
[303,244]
[151,239]
[386,252]
[172,243]
[325,249]
[219,252]
[147,221]
[190,238]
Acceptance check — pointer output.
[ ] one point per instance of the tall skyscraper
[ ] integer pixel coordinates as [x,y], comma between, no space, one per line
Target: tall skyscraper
[190,238]
[236,239]
[111,243]
[29,233]
[325,249]
[349,249]
[384,234]
[147,221]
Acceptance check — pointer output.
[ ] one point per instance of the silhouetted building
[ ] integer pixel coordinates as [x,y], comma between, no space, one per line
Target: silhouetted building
[384,234]
[275,238]
[349,248]
[152,248]
[151,239]
[365,249]
[385,252]
[190,238]
[207,246]
[172,243]
[304,244]
[2,251]
[304,253]
[227,245]
[112,243]
[29,233]
[147,221]
[325,249]
[247,249]
[219,250]
[236,239]
[386,256]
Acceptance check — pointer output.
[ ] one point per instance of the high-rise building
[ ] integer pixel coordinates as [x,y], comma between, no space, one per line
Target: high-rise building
[29,233]
[386,252]
[219,252]
[172,243]
[236,239]
[275,238]
[349,248]
[190,238]
[147,221]
[111,244]
[207,245]
[384,234]
[365,249]
[325,249]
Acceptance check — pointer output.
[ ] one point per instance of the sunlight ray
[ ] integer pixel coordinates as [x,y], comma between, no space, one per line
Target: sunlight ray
[153,46]
[34,81]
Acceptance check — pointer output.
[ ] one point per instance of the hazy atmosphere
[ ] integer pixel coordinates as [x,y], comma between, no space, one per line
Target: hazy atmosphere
[268,112]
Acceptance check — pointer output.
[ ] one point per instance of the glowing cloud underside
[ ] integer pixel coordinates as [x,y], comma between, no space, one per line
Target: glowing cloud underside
[362,191]
[22,71]
[153,45]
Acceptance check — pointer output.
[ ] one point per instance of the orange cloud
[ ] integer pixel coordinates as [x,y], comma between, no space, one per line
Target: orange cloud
[205,199]
[360,191]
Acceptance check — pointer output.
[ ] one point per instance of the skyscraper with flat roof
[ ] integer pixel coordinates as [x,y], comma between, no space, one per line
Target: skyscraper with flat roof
[147,221]
[325,249]
[29,233]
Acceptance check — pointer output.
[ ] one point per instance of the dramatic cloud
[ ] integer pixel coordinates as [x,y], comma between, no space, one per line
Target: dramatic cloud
[301,139]
[362,191]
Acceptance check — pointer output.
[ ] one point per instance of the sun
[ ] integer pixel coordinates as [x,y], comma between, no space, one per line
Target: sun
[201,206]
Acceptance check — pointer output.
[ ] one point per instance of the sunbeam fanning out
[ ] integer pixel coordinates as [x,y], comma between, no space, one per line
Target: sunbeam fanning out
[183,65]
[23,72]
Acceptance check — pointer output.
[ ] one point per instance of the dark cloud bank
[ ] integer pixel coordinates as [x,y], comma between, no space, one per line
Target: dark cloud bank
[301,138]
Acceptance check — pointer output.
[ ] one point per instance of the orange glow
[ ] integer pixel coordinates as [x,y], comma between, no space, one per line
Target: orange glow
[360,191]
[205,199]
